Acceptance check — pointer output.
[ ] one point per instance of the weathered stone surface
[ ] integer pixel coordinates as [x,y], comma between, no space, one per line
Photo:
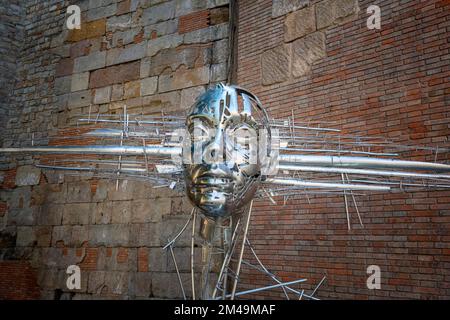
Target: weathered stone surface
[88,30]
[329,12]
[121,212]
[115,74]
[102,12]
[117,92]
[96,282]
[28,176]
[93,61]
[166,285]
[79,99]
[50,215]
[149,86]
[62,85]
[306,51]
[25,237]
[80,81]
[103,213]
[189,95]
[281,7]
[172,227]
[142,284]
[132,89]
[220,51]
[299,23]
[109,235]
[76,213]
[161,29]
[165,42]
[150,210]
[165,101]
[79,192]
[22,217]
[102,95]
[184,79]
[61,234]
[130,53]
[80,235]
[170,60]
[206,35]
[161,12]
[275,65]
[145,234]
[219,72]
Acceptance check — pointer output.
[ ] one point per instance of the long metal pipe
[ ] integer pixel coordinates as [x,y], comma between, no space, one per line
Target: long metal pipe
[362,171]
[114,150]
[360,162]
[314,184]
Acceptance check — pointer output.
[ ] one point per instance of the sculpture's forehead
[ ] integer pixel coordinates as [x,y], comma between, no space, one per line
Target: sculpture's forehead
[219,103]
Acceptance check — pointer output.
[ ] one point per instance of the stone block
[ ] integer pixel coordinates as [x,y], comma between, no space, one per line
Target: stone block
[145,234]
[96,282]
[63,85]
[306,51]
[102,95]
[121,212]
[161,12]
[101,12]
[275,65]
[95,60]
[132,89]
[61,234]
[25,237]
[149,86]
[331,12]
[101,192]
[28,176]
[206,35]
[184,79]
[118,23]
[43,236]
[117,92]
[142,284]
[76,213]
[88,30]
[79,191]
[50,215]
[115,74]
[116,282]
[281,7]
[79,99]
[109,235]
[64,67]
[166,285]
[103,213]
[80,81]
[220,51]
[165,42]
[130,53]
[219,72]
[172,226]
[80,236]
[150,210]
[299,23]
[19,198]
[161,29]
[189,96]
[22,217]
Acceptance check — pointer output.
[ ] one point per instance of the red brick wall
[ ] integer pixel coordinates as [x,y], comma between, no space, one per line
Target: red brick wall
[17,281]
[392,82]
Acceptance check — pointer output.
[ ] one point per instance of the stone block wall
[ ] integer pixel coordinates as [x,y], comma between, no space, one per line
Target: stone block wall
[152,56]
[318,60]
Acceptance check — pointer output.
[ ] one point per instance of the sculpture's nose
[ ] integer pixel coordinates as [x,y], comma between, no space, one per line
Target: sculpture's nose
[213,152]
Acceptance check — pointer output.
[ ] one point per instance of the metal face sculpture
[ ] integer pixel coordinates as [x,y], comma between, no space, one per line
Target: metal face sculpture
[223,172]
[231,152]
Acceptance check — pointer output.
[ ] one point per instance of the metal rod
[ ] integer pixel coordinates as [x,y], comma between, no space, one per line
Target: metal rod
[238,268]
[313,184]
[192,253]
[178,272]
[284,284]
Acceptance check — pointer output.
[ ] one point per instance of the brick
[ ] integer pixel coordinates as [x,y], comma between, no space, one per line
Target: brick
[299,23]
[79,81]
[193,21]
[275,65]
[184,79]
[88,30]
[93,61]
[306,51]
[115,74]
[281,7]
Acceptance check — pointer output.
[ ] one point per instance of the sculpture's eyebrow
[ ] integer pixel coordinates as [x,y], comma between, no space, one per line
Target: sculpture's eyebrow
[210,121]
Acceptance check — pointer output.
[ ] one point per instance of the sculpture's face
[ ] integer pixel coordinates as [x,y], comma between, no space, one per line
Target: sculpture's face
[223,172]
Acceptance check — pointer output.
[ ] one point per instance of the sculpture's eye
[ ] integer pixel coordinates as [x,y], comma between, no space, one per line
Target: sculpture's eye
[199,131]
[241,144]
